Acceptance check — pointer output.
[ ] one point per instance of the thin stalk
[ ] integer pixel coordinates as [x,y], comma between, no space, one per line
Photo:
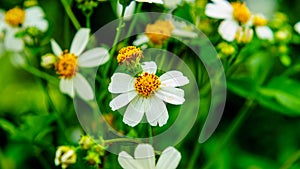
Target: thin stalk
[41,74]
[116,140]
[133,23]
[70,13]
[150,134]
[291,160]
[231,131]
[88,18]
[194,156]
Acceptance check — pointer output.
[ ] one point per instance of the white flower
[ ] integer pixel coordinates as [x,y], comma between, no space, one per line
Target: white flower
[68,63]
[16,19]
[234,14]
[144,158]
[147,94]
[131,7]
[297,27]
[262,30]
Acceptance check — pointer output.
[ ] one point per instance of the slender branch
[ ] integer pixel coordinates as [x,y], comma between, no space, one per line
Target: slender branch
[70,13]
[116,140]
[291,160]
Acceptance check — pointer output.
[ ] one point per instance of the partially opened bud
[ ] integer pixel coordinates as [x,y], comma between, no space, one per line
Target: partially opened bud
[244,35]
[65,156]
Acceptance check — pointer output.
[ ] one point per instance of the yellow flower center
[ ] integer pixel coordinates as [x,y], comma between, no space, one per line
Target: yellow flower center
[66,65]
[146,84]
[241,12]
[159,31]
[259,20]
[129,53]
[15,16]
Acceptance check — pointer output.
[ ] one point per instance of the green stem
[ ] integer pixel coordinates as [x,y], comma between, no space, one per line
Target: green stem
[116,140]
[88,18]
[150,134]
[291,160]
[133,23]
[41,74]
[194,156]
[70,13]
[231,131]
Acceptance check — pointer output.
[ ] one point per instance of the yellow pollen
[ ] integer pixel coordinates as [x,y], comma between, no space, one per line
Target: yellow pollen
[241,12]
[15,16]
[259,20]
[146,84]
[129,53]
[66,65]
[159,31]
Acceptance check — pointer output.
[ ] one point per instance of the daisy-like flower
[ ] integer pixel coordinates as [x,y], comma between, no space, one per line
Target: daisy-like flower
[144,157]
[261,28]
[16,19]
[297,27]
[69,62]
[234,14]
[161,30]
[65,156]
[147,94]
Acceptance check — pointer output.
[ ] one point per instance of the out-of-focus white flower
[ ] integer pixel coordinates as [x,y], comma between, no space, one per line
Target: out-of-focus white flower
[174,3]
[65,156]
[16,19]
[144,158]
[297,27]
[69,62]
[262,30]
[234,14]
[147,94]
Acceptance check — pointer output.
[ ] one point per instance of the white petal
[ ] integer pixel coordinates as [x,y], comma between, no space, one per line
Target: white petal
[169,159]
[83,88]
[149,67]
[171,3]
[128,12]
[173,79]
[120,83]
[184,33]
[33,13]
[122,100]
[127,162]
[171,95]
[66,86]
[80,41]
[93,57]
[13,43]
[55,48]
[41,24]
[144,154]
[156,110]
[135,111]
[297,27]
[228,29]
[264,32]
[151,1]
[220,10]
[163,118]
[2,15]
[141,39]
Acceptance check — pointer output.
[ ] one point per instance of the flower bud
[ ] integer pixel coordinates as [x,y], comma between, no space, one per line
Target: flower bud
[48,60]
[65,156]
[86,142]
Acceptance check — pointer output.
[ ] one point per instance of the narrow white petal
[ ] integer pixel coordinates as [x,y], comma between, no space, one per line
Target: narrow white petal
[33,13]
[171,3]
[163,118]
[41,24]
[122,100]
[127,162]
[141,39]
[264,32]
[156,110]
[128,12]
[120,83]
[173,79]
[134,112]
[297,27]
[93,57]
[171,95]
[151,1]
[80,41]
[169,159]
[13,43]
[55,48]
[184,33]
[144,154]
[149,67]
[228,29]
[219,10]
[66,86]
[83,88]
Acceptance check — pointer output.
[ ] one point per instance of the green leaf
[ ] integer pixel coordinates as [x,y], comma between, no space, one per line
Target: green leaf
[184,12]
[7,126]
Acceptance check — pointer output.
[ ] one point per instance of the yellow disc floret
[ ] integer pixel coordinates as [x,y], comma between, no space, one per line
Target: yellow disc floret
[259,20]
[159,31]
[66,65]
[241,12]
[15,16]
[146,84]
[129,53]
